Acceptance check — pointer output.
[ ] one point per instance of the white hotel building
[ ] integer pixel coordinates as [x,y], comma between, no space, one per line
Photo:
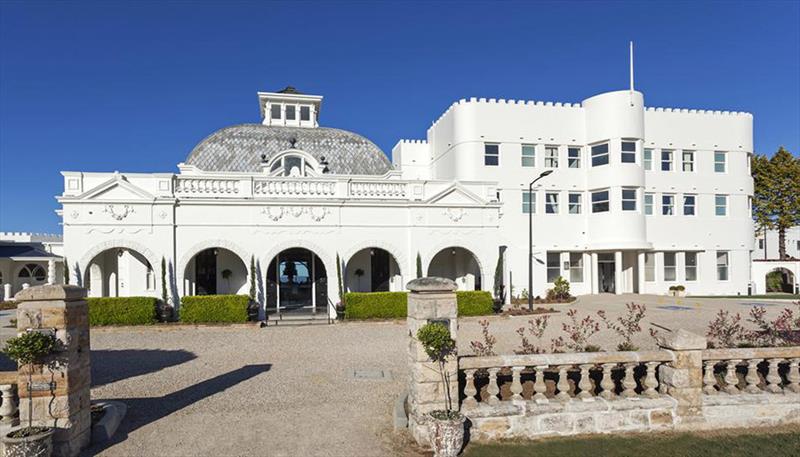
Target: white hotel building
[639,199]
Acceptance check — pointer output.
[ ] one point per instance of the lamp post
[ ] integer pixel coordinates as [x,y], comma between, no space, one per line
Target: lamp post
[530,237]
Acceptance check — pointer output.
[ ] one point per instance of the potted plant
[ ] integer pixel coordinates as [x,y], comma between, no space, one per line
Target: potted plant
[447,425]
[28,350]
[677,291]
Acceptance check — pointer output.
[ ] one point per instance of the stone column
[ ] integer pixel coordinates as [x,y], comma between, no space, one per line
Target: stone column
[61,386]
[429,299]
[683,378]
[51,271]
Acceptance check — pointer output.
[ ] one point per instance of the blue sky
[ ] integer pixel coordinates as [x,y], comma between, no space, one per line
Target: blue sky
[133,86]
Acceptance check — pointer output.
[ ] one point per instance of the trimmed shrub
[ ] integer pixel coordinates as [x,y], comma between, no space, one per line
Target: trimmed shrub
[375,305]
[122,310]
[393,305]
[202,309]
[474,303]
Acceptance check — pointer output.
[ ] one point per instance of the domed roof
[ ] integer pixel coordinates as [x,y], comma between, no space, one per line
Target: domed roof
[240,148]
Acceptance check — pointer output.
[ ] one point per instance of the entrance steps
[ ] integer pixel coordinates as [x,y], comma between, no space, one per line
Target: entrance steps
[296,319]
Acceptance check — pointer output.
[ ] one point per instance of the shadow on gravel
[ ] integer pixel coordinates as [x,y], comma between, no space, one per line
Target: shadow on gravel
[142,411]
[110,366]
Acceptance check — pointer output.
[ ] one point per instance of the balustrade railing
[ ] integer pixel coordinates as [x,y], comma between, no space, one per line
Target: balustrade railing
[378,189]
[9,400]
[294,188]
[751,370]
[206,186]
[561,377]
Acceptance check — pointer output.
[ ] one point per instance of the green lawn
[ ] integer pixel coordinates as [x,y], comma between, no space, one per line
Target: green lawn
[723,444]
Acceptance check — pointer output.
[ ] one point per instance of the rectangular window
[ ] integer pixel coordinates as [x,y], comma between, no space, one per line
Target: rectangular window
[305,113]
[649,266]
[528,202]
[628,199]
[553,266]
[528,155]
[574,203]
[491,155]
[688,160]
[551,203]
[721,205]
[628,152]
[691,266]
[600,155]
[722,265]
[667,205]
[666,160]
[600,201]
[648,204]
[669,266]
[289,112]
[551,157]
[688,205]
[648,159]
[575,267]
[275,111]
[574,157]
[719,162]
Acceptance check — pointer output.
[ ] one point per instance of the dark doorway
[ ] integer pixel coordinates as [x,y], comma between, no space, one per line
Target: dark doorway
[205,267]
[605,271]
[379,265]
[296,282]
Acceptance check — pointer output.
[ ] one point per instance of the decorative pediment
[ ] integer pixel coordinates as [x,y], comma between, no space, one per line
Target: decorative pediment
[116,189]
[456,195]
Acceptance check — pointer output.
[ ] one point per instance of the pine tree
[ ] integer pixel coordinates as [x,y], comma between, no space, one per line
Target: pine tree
[775,202]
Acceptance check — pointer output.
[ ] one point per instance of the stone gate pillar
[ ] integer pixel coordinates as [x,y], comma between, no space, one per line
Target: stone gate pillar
[61,386]
[429,299]
[683,378]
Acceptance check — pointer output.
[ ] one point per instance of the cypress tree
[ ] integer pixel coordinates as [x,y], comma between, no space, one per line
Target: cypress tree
[164,280]
[419,266]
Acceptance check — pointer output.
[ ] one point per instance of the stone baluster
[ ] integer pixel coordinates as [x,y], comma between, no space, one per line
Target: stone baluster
[516,384]
[607,384]
[8,409]
[563,384]
[773,377]
[585,384]
[650,382]
[539,386]
[629,382]
[709,380]
[793,376]
[731,380]
[752,378]
[493,389]
[469,388]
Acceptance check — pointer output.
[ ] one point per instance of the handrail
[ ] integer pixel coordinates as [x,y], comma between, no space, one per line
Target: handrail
[475,362]
[752,353]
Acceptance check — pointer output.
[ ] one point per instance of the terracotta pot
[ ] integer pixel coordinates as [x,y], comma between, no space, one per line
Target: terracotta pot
[38,445]
[447,436]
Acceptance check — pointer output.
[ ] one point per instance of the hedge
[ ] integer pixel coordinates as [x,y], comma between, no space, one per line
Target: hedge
[122,310]
[201,309]
[393,305]
[375,305]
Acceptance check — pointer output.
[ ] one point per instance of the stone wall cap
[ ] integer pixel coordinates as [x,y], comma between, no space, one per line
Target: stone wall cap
[432,284]
[51,292]
[682,340]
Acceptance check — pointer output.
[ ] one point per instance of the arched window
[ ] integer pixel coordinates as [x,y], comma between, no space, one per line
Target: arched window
[291,165]
[34,271]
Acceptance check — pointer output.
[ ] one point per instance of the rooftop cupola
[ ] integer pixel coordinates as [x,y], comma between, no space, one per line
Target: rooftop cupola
[289,108]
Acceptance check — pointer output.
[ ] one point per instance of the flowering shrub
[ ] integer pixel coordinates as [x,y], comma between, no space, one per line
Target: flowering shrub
[784,330]
[578,334]
[626,326]
[485,347]
[536,328]
[726,331]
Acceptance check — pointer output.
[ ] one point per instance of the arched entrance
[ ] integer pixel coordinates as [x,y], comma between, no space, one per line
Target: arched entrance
[372,270]
[32,274]
[780,280]
[458,264]
[215,271]
[296,282]
[119,272]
